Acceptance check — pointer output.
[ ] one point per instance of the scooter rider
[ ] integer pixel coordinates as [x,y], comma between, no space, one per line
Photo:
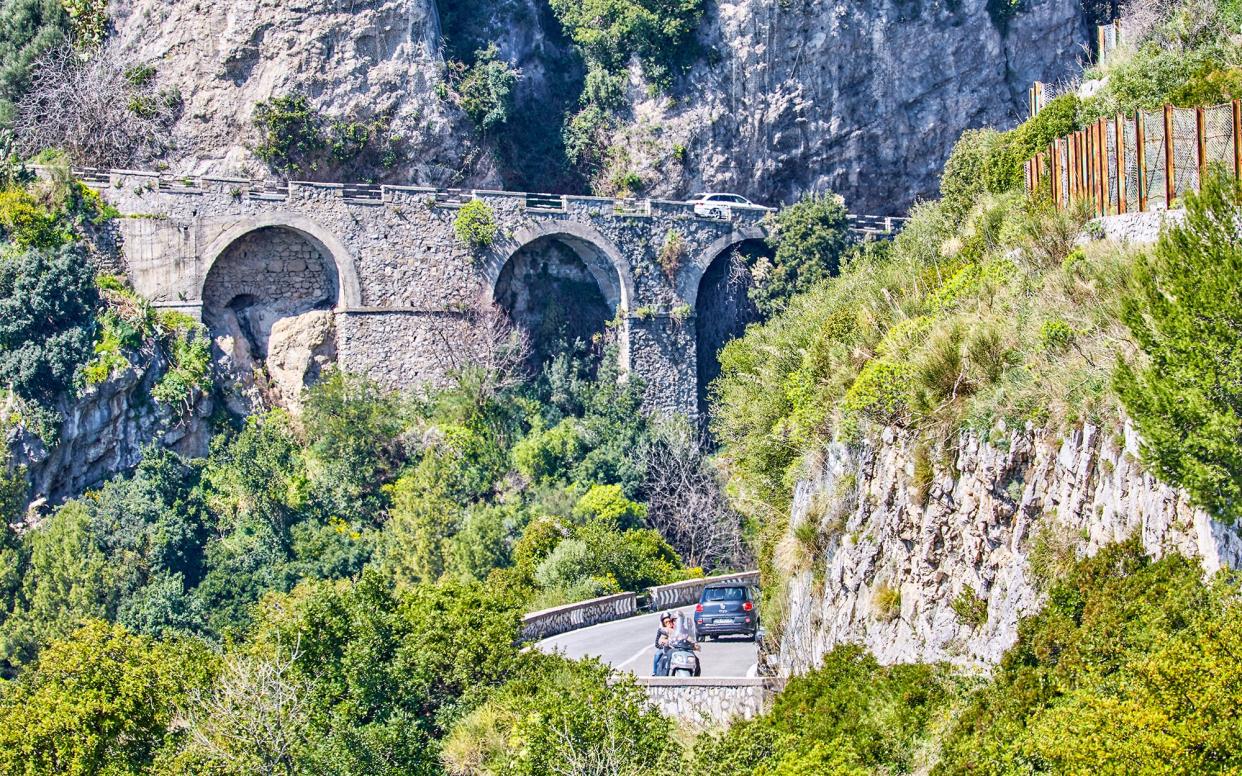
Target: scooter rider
[663,640]
[685,639]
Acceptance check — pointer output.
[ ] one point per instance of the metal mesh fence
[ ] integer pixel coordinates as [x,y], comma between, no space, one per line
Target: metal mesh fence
[1110,162]
[1062,171]
[1218,131]
[1185,152]
[1153,160]
[1130,145]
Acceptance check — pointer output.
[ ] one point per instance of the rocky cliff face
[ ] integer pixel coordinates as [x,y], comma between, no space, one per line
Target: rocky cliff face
[903,534]
[364,58]
[863,98]
[105,431]
[787,96]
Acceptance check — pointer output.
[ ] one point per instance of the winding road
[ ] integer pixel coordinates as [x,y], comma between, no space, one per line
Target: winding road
[627,645]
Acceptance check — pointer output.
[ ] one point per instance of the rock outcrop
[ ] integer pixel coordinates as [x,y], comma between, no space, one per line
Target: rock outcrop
[866,99]
[363,59]
[105,431]
[902,533]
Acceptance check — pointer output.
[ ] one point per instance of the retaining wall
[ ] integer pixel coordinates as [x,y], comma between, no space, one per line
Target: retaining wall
[708,702]
[559,619]
[688,592]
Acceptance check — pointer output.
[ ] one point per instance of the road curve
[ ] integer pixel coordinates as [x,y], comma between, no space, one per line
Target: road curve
[627,645]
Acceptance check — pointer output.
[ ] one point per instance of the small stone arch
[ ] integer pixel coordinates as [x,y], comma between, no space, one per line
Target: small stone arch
[618,290]
[349,295]
[691,273]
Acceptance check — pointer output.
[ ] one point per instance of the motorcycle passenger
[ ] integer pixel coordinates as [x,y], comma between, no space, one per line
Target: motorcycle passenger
[663,640]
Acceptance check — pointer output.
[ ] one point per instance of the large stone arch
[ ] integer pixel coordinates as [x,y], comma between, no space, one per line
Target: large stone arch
[721,304]
[691,274]
[349,294]
[618,289]
[561,281]
[269,291]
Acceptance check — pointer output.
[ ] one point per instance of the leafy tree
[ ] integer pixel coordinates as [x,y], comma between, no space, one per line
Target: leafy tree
[48,301]
[1131,664]
[607,504]
[1186,397]
[487,89]
[659,32]
[560,716]
[100,702]
[810,240]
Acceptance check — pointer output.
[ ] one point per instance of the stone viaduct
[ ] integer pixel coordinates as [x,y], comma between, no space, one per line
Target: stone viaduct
[396,290]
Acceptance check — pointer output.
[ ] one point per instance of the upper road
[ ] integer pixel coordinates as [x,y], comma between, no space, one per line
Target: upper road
[628,645]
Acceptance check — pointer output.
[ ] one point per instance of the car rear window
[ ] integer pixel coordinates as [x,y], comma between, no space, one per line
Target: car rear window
[724,594]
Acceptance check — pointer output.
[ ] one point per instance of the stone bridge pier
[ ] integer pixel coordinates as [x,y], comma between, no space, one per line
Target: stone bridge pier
[375,279]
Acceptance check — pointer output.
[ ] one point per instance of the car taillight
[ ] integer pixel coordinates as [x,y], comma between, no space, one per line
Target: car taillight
[746,607]
[698,607]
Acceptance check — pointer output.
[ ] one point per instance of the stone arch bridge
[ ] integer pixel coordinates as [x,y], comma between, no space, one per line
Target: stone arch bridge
[392,291]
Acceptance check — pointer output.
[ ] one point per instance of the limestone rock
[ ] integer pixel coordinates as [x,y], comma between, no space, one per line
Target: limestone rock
[366,58]
[299,348]
[974,531]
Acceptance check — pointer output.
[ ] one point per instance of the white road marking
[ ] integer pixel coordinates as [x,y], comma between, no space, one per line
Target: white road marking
[641,652]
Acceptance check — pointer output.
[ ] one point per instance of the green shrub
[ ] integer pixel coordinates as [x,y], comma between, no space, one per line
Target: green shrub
[486,89]
[1055,335]
[851,715]
[1184,397]
[970,607]
[189,361]
[475,224]
[609,32]
[290,133]
[886,601]
[28,29]
[48,301]
[672,252]
[89,20]
[810,240]
[294,138]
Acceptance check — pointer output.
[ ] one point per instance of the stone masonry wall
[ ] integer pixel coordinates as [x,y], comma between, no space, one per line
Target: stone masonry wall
[705,703]
[397,256]
[276,266]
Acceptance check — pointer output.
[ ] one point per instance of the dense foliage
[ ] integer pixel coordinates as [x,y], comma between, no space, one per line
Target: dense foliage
[810,240]
[295,139]
[28,29]
[1186,397]
[849,716]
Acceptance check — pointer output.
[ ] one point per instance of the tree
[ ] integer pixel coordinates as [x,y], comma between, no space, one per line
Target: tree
[48,301]
[28,28]
[101,701]
[1186,396]
[486,89]
[99,111]
[810,239]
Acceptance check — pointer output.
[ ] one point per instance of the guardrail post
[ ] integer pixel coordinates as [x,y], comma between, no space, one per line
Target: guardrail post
[1170,188]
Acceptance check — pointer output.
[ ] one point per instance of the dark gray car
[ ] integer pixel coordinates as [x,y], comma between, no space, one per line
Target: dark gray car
[727,610]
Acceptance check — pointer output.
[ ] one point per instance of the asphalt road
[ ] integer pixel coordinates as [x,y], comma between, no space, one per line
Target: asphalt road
[627,645]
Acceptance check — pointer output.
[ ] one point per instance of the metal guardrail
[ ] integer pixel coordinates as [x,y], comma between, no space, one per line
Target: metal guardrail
[371,193]
[688,591]
[561,619]
[555,202]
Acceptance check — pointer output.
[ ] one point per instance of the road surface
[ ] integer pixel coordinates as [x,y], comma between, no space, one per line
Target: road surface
[628,646]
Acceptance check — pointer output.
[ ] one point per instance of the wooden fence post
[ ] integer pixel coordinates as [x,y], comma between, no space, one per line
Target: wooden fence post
[1101,144]
[1201,144]
[1170,169]
[1140,160]
[1237,138]
[1119,141]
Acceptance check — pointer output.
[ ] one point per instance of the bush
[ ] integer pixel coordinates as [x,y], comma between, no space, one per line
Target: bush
[475,224]
[560,716]
[672,251]
[609,32]
[970,608]
[28,29]
[1185,317]
[486,89]
[810,239]
[48,302]
[295,138]
[851,712]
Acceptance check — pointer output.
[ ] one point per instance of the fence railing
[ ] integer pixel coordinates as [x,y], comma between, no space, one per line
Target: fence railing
[1141,163]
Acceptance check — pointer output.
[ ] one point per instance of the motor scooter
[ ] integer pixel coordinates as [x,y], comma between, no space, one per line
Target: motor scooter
[684,661]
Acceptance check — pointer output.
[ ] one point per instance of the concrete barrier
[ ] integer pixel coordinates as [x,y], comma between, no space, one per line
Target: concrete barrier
[708,702]
[559,619]
[687,592]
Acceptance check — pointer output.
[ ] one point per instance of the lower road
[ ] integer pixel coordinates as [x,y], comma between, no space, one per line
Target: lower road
[628,645]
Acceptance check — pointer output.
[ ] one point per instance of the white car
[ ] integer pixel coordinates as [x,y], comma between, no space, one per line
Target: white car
[718,204]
